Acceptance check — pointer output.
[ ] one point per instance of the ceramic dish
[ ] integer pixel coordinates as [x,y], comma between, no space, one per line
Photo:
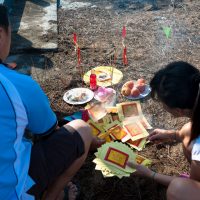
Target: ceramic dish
[78,96]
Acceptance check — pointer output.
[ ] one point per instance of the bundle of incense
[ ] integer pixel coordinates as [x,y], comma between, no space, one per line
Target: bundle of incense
[125,60]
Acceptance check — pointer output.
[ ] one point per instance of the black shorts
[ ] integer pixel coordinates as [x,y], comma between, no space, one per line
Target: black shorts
[52,155]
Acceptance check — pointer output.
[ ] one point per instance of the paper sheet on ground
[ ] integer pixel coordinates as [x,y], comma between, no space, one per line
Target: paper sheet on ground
[128,124]
[137,144]
[99,131]
[168,31]
[96,128]
[141,119]
[116,130]
[135,130]
[96,111]
[129,109]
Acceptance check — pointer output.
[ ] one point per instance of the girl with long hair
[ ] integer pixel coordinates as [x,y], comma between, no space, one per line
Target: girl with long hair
[177,87]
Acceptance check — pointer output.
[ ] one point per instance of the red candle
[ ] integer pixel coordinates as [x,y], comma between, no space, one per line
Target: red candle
[93,81]
[85,115]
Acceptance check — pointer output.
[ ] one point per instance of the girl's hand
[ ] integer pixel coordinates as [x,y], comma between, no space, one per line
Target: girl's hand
[161,135]
[141,170]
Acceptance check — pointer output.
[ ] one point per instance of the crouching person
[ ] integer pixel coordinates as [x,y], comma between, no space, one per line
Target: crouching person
[177,87]
[41,167]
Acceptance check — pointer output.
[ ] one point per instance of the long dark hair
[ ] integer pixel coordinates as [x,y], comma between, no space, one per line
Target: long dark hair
[177,86]
[4,21]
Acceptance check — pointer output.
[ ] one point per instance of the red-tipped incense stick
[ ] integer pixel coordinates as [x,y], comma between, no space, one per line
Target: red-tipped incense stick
[79,55]
[124,32]
[75,39]
[125,60]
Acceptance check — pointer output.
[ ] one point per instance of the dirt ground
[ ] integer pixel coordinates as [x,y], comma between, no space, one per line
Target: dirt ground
[99,32]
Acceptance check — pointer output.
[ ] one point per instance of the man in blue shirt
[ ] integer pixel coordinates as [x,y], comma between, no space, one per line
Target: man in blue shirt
[28,169]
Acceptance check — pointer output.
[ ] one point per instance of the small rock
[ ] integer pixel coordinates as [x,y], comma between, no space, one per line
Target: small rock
[148,7]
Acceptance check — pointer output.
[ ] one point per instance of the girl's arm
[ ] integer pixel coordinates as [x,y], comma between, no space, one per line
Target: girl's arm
[146,172]
[195,170]
[161,135]
[163,179]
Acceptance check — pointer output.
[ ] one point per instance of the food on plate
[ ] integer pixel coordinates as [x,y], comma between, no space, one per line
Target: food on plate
[135,92]
[102,94]
[77,97]
[129,84]
[140,80]
[126,91]
[133,89]
[141,87]
[103,76]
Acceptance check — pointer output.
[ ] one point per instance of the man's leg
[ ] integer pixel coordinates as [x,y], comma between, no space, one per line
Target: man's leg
[85,132]
[183,189]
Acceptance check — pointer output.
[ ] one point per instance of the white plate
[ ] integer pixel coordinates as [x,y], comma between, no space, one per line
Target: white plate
[76,92]
[142,95]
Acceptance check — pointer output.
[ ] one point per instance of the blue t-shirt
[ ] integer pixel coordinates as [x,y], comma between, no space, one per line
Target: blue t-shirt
[23,105]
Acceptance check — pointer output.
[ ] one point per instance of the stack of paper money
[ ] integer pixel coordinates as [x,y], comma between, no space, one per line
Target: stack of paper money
[112,159]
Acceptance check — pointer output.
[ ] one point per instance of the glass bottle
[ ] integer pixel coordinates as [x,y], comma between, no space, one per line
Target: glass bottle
[93,80]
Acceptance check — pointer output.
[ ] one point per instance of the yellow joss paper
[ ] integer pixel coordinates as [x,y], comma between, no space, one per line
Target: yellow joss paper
[112,158]
[112,109]
[115,117]
[97,111]
[129,109]
[117,132]
[111,125]
[116,154]
[137,144]
[108,139]
[117,157]
[135,130]
[105,136]
[107,119]
[145,123]
[96,129]
[141,119]
[142,160]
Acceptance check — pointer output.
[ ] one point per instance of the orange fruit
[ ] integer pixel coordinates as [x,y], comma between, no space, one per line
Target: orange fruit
[141,87]
[140,80]
[135,92]
[129,84]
